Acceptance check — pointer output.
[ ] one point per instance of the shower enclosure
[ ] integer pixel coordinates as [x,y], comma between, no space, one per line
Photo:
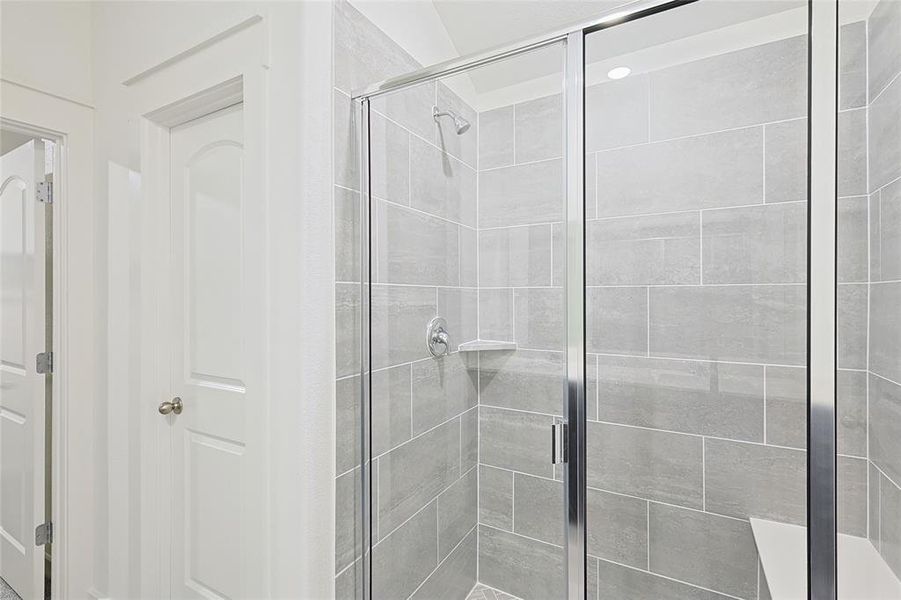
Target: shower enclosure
[608,320]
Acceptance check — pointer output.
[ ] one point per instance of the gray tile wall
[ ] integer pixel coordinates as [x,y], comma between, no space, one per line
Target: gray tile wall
[697,267]
[883,41]
[521,208]
[696,270]
[424,248]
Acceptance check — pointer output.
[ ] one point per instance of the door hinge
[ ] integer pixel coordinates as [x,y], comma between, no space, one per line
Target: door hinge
[559,431]
[44,363]
[45,191]
[43,534]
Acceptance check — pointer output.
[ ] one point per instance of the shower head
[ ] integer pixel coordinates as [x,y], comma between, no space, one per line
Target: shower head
[461,125]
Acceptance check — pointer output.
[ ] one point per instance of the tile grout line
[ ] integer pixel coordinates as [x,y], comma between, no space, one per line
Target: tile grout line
[647,320]
[460,448]
[551,270]
[527,163]
[869,272]
[878,200]
[704,474]
[699,134]
[432,143]
[639,215]
[513,503]
[478,254]
[597,194]
[879,512]
[886,476]
[885,87]
[527,537]
[433,499]
[610,492]
[378,488]
[757,583]
[763,162]
[441,562]
[765,377]
[648,91]
[414,209]
[662,576]
[425,432]
[883,377]
[700,247]
[655,429]
[608,287]
[647,533]
[513,135]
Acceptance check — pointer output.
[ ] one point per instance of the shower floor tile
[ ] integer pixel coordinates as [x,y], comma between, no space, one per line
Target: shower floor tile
[483,592]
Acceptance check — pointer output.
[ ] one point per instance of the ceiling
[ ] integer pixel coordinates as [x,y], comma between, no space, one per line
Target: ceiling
[442,29]
[667,38]
[476,25]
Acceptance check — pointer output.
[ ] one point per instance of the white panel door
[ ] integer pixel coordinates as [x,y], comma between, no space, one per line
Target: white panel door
[22,390]
[218,470]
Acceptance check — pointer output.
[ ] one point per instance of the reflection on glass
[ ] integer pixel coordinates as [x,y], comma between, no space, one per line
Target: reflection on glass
[468,209]
[869,273]
[696,302]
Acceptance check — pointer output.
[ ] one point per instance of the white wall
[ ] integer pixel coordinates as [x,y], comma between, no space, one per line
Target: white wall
[45,66]
[84,52]
[47,46]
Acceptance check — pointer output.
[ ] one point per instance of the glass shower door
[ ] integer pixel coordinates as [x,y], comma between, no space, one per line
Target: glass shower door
[466,334]
[696,268]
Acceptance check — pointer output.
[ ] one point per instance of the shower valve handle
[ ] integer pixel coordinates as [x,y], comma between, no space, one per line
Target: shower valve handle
[441,337]
[437,338]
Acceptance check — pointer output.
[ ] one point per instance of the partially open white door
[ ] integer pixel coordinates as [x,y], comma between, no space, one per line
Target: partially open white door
[22,389]
[216,320]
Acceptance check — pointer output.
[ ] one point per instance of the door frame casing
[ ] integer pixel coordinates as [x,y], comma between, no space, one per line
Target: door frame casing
[232,70]
[70,125]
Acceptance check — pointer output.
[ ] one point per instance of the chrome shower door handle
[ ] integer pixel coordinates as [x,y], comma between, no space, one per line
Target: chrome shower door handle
[558,443]
[437,338]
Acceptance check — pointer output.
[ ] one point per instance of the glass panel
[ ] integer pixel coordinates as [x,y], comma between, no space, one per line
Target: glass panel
[869,296]
[467,179]
[696,317]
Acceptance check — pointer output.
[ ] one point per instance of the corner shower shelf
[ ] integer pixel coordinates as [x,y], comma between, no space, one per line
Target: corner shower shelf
[484,345]
[862,573]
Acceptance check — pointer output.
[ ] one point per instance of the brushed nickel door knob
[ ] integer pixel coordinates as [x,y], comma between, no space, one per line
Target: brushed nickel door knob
[175,406]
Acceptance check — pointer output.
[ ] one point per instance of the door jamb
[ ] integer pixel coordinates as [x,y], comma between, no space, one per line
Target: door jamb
[69,126]
[156,452]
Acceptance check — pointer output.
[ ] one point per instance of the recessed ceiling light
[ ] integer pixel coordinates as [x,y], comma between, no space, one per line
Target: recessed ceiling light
[618,72]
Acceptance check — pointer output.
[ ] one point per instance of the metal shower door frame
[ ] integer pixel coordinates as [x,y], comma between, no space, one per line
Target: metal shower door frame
[822,222]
